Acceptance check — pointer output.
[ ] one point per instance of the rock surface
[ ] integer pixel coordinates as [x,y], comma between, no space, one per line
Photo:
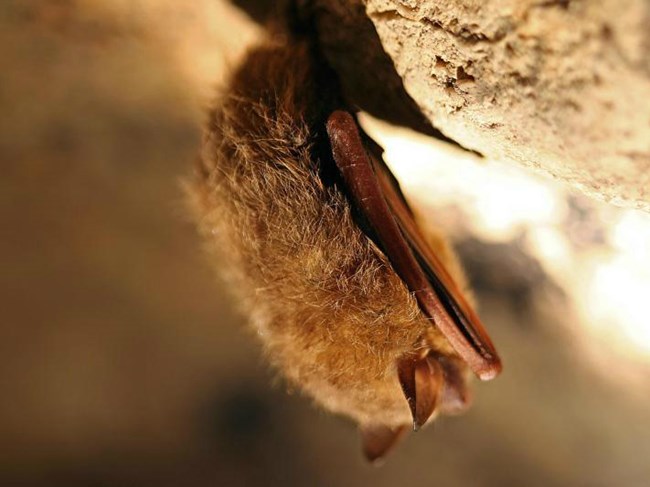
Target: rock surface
[563,86]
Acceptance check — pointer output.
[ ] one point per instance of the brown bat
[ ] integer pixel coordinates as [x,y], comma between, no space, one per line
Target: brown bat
[353,302]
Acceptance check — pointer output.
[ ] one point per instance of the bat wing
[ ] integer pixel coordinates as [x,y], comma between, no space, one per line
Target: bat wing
[376,194]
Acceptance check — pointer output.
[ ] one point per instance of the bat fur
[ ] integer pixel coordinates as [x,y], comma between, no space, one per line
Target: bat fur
[332,314]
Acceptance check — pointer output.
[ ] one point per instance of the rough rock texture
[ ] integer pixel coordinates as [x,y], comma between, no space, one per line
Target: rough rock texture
[563,86]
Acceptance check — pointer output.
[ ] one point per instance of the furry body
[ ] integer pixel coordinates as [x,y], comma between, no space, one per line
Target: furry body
[331,312]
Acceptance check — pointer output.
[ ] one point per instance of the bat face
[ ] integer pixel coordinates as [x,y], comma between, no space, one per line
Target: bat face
[354,305]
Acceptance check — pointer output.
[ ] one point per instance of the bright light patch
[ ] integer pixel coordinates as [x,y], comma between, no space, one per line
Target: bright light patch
[551,246]
[632,235]
[617,301]
[500,199]
[507,201]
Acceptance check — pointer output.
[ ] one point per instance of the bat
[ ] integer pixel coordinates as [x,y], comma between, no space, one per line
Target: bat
[355,305]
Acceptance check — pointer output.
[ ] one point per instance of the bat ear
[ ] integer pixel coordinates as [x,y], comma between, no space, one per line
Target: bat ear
[422,381]
[377,440]
[456,397]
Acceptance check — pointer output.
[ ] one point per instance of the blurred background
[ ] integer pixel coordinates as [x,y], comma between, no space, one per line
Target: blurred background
[123,361]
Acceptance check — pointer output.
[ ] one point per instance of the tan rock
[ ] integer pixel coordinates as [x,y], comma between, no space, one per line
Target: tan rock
[555,85]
